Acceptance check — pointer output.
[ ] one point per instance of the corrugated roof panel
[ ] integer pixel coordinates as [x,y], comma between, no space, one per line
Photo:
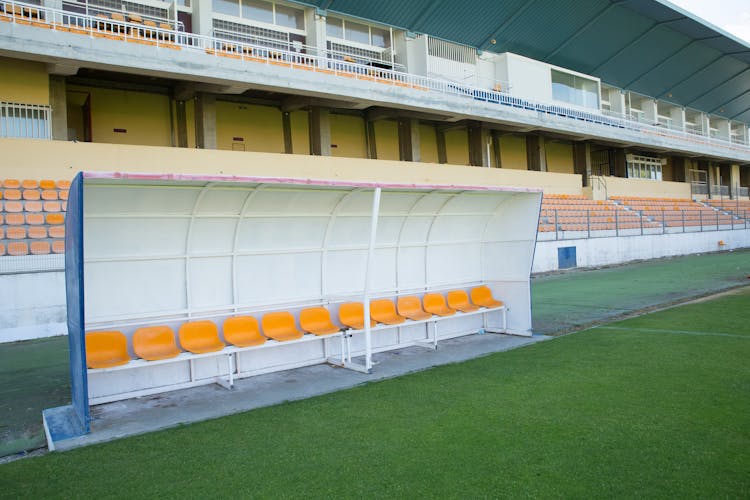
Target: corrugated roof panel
[686,91]
[717,97]
[678,67]
[738,105]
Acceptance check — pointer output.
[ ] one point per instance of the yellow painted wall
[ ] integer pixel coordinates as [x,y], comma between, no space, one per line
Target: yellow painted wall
[386,139]
[513,152]
[23,82]
[427,143]
[27,158]
[145,116]
[300,132]
[259,127]
[348,134]
[618,186]
[559,157]
[457,147]
[667,171]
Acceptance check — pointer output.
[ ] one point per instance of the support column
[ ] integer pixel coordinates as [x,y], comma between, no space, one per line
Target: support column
[734,181]
[680,168]
[536,153]
[286,125]
[371,142]
[442,151]
[479,145]
[59,104]
[202,17]
[618,163]
[316,30]
[205,121]
[497,153]
[320,131]
[181,117]
[408,139]
[678,117]
[582,160]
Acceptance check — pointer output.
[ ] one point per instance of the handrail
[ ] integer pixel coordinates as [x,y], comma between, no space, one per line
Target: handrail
[35,15]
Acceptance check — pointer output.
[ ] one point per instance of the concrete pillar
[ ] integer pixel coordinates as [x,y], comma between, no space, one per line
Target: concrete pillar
[724,128]
[496,150]
[181,118]
[370,139]
[59,104]
[411,52]
[320,131]
[408,139]
[205,121]
[582,161]
[677,114]
[442,150]
[618,163]
[679,169]
[316,31]
[650,110]
[203,20]
[286,125]
[617,101]
[536,153]
[479,145]
[705,124]
[734,180]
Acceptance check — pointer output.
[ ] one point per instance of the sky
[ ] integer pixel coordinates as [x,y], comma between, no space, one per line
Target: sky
[730,15]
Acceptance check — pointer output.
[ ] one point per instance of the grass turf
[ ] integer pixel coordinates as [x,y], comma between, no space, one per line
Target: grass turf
[622,411]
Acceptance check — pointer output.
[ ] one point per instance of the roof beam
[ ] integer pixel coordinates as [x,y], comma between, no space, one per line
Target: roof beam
[731,100]
[740,113]
[704,94]
[691,75]
[659,64]
[631,43]
[583,28]
[519,11]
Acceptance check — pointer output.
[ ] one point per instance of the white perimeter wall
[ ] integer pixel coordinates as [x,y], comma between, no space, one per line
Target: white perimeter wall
[32,305]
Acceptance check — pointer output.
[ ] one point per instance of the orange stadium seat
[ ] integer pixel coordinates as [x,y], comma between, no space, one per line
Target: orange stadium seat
[12,194]
[435,303]
[63,194]
[58,246]
[37,232]
[384,311]
[243,331]
[106,349]
[482,296]
[459,300]
[51,206]
[13,206]
[14,219]
[34,219]
[2,249]
[200,337]
[39,248]
[352,314]
[53,219]
[280,326]
[411,307]
[18,248]
[11,184]
[33,206]
[30,184]
[63,184]
[47,184]
[56,231]
[16,233]
[317,320]
[49,195]
[31,195]
[155,342]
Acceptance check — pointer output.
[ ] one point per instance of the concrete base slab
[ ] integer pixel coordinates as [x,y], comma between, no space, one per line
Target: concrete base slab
[60,425]
[141,415]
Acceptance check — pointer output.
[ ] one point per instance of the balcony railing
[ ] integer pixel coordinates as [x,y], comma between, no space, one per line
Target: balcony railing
[149,33]
[29,121]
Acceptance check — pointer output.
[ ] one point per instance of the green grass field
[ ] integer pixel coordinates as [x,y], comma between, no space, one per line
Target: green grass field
[655,406]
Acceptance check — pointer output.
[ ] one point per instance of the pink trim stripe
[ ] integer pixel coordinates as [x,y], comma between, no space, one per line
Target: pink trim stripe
[299,181]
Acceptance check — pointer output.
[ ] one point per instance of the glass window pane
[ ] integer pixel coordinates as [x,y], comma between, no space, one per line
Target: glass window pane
[334,27]
[229,7]
[258,11]
[381,37]
[356,32]
[289,17]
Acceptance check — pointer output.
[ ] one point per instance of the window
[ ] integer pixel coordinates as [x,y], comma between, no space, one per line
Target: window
[575,90]
[358,32]
[24,120]
[644,167]
[262,12]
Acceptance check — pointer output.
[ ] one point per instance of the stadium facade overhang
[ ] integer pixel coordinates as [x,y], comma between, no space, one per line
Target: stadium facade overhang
[651,47]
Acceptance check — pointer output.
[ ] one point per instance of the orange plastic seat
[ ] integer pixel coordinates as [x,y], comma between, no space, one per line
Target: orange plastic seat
[2,249]
[51,206]
[459,300]
[482,296]
[16,233]
[384,311]
[49,195]
[18,248]
[63,194]
[411,307]
[14,219]
[243,331]
[57,231]
[39,248]
[12,194]
[37,232]
[435,303]
[106,349]
[11,184]
[200,337]
[47,184]
[33,206]
[58,246]
[280,326]
[53,219]
[13,206]
[63,184]
[30,184]
[317,320]
[352,314]
[31,195]
[155,342]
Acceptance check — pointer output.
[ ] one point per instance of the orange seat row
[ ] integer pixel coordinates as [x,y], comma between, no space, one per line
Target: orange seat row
[106,349]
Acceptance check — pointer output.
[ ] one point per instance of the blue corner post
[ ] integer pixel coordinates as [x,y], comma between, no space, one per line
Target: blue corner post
[71,421]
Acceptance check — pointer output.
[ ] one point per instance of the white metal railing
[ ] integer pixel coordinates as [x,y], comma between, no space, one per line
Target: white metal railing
[94,10]
[31,121]
[56,19]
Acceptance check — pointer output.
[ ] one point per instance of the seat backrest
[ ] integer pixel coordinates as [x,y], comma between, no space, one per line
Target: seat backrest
[457,298]
[434,301]
[382,307]
[105,345]
[241,327]
[149,338]
[409,304]
[481,294]
[315,318]
[278,322]
[352,312]
[198,332]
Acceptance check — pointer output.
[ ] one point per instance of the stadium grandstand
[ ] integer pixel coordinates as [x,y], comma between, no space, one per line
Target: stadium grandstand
[223,171]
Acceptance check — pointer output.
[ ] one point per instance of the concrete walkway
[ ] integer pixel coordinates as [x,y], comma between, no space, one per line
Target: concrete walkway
[141,415]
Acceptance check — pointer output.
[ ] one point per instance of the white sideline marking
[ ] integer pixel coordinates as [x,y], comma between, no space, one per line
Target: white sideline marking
[678,332]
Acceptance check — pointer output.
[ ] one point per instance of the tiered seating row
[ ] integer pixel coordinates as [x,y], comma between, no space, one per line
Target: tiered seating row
[564,212]
[676,212]
[738,208]
[108,350]
[32,216]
